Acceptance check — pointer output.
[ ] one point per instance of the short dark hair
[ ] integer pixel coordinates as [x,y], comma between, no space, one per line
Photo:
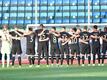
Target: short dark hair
[64,27]
[75,29]
[105,28]
[42,25]
[85,27]
[54,28]
[30,29]
[95,26]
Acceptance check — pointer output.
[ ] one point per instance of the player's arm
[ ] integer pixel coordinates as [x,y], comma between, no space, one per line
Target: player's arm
[21,35]
[44,39]
[41,33]
[66,41]
[82,41]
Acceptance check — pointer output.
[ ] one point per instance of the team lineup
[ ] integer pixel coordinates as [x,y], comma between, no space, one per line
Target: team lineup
[64,45]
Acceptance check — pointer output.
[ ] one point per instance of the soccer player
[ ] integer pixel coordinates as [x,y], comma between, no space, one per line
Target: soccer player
[64,39]
[6,45]
[74,46]
[85,45]
[53,36]
[95,35]
[30,36]
[104,44]
[43,40]
[16,45]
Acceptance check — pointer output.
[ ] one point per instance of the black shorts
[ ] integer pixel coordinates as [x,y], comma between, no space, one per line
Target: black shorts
[55,49]
[16,49]
[85,48]
[95,49]
[104,48]
[74,48]
[65,49]
[42,47]
[30,51]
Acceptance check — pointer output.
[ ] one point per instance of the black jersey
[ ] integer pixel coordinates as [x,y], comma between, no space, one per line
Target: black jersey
[74,40]
[104,35]
[14,34]
[53,39]
[30,40]
[64,36]
[96,41]
[85,36]
[44,36]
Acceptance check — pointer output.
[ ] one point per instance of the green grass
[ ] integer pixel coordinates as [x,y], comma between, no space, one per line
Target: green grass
[54,73]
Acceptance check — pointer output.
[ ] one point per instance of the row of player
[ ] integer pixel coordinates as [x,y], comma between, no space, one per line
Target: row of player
[74,42]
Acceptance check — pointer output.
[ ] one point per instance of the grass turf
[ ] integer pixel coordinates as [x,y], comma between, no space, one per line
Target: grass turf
[54,73]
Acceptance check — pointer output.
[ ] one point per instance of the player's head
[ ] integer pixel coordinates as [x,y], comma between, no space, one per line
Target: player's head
[85,28]
[95,27]
[105,29]
[41,26]
[30,29]
[53,29]
[74,29]
[63,29]
[5,27]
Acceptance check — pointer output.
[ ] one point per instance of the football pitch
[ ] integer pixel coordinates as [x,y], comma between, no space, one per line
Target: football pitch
[54,73]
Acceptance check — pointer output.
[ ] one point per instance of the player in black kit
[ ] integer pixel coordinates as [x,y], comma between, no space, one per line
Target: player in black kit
[43,39]
[64,39]
[30,51]
[53,36]
[74,45]
[16,45]
[95,35]
[104,44]
[85,45]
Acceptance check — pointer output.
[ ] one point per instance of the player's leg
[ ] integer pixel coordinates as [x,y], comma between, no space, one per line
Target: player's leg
[57,55]
[94,54]
[13,55]
[19,52]
[88,51]
[78,54]
[39,50]
[33,55]
[72,53]
[13,59]
[82,50]
[62,54]
[45,49]
[67,54]
[104,48]
[52,54]
[99,55]
[8,59]
[3,59]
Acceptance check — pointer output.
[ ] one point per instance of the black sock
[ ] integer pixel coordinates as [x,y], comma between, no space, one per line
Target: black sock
[57,59]
[83,58]
[78,57]
[72,58]
[67,57]
[89,58]
[99,58]
[62,57]
[52,59]
[33,60]
[93,59]
[103,57]
[13,59]
[29,58]
[19,59]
